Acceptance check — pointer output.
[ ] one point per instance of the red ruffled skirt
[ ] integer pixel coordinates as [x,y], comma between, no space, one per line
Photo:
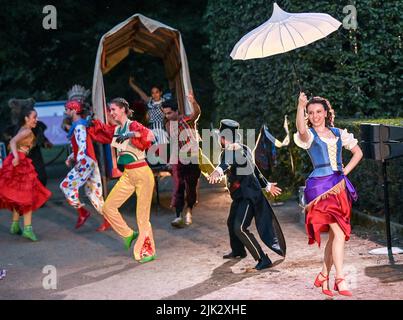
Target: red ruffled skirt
[20,188]
[333,208]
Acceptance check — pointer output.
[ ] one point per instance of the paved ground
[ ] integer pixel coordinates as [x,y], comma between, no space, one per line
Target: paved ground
[91,265]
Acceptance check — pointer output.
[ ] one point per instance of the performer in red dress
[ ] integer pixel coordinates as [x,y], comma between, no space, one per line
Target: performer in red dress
[20,189]
[328,191]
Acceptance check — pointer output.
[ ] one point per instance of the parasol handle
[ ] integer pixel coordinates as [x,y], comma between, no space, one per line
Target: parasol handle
[301,89]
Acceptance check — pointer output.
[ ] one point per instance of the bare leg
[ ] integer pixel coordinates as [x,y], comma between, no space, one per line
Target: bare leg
[28,232]
[338,253]
[15,225]
[28,219]
[328,260]
[16,216]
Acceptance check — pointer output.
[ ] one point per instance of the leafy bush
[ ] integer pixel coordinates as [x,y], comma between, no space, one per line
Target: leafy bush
[358,71]
[367,177]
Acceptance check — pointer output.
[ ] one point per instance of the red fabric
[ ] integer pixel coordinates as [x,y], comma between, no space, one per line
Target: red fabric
[20,188]
[74,105]
[146,136]
[136,165]
[234,186]
[147,249]
[101,132]
[336,208]
[90,148]
[184,125]
[186,118]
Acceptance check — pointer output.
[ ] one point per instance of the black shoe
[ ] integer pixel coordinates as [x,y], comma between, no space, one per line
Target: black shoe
[264,263]
[232,255]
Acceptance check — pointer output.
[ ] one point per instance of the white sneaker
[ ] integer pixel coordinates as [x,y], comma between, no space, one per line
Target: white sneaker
[188,217]
[178,222]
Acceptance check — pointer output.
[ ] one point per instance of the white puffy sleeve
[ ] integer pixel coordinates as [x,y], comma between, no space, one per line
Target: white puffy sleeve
[302,144]
[347,139]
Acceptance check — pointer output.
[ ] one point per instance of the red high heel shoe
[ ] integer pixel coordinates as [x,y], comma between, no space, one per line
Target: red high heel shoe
[342,292]
[318,283]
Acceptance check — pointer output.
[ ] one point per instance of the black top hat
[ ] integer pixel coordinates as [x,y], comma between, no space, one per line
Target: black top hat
[228,124]
[229,129]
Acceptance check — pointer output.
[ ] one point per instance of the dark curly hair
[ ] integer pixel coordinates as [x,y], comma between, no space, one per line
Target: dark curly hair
[170,104]
[329,120]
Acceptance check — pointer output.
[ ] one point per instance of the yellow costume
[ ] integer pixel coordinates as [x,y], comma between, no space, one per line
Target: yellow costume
[137,177]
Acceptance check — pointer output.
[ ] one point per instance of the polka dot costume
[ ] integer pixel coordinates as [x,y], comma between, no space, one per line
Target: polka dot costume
[84,173]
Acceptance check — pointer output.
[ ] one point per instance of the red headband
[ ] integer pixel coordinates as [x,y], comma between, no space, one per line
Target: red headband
[74,105]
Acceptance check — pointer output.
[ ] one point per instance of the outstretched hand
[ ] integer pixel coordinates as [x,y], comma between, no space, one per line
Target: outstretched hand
[274,190]
[120,138]
[214,177]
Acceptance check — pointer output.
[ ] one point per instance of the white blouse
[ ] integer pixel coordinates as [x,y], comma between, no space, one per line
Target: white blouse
[347,139]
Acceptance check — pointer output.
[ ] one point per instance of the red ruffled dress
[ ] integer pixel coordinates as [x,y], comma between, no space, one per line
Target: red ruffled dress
[20,188]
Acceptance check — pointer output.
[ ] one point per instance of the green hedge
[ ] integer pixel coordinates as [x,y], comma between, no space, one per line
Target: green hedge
[358,71]
[367,177]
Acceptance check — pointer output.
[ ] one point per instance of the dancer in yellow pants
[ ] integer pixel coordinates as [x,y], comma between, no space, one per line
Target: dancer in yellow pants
[141,181]
[131,139]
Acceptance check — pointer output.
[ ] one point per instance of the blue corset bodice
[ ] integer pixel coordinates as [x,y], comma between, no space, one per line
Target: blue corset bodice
[319,155]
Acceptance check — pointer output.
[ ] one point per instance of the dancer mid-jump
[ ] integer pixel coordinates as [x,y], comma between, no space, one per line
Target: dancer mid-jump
[85,171]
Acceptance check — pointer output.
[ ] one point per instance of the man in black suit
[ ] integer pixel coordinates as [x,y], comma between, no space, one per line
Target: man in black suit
[248,201]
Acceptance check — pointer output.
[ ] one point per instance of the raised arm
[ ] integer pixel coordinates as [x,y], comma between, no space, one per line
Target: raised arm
[300,121]
[138,90]
[196,108]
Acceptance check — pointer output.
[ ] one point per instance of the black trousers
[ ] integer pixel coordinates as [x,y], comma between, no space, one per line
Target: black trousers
[185,178]
[239,220]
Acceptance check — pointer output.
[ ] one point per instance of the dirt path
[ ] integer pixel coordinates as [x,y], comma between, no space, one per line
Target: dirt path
[189,266]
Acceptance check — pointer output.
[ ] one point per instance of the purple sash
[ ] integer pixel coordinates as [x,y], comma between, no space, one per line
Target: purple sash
[317,186]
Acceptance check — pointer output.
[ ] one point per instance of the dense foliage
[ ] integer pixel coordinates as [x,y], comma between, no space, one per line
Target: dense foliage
[360,71]
[44,64]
